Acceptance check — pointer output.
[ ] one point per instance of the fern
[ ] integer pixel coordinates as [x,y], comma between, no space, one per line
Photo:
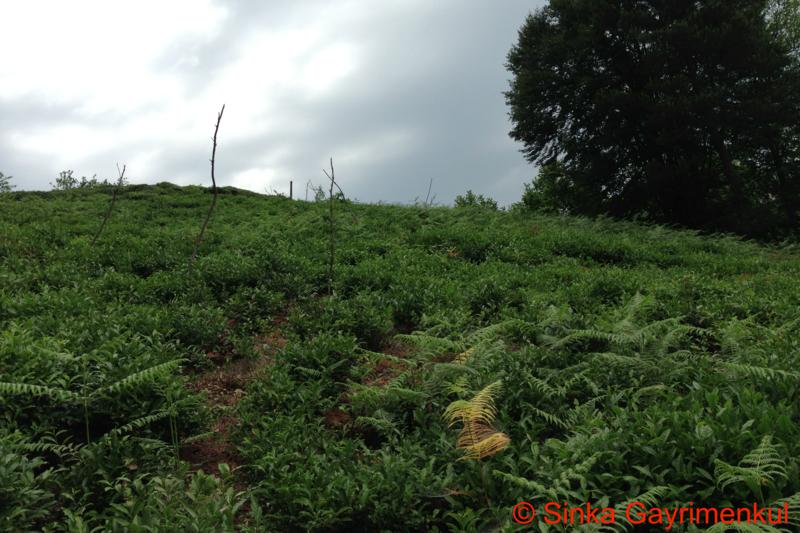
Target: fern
[759,372]
[371,398]
[649,498]
[48,447]
[761,467]
[793,505]
[579,335]
[478,438]
[137,379]
[199,437]
[429,343]
[464,356]
[550,418]
[459,386]
[140,423]
[26,389]
[545,389]
[495,332]
[381,420]
[558,488]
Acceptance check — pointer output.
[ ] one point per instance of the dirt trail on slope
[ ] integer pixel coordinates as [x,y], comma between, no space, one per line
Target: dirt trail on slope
[224,387]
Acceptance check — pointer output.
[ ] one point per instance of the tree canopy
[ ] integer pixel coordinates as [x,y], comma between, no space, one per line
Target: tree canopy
[684,112]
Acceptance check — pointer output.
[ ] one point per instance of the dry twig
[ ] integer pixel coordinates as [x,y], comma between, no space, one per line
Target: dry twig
[111,205]
[213,190]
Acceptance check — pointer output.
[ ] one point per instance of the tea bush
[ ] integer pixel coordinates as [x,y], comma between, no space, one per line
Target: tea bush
[631,361]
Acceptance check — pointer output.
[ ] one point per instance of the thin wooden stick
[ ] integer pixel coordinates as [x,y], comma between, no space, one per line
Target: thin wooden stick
[429,192]
[332,254]
[111,205]
[330,178]
[213,190]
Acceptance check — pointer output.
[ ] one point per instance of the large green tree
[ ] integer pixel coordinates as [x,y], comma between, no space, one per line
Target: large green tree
[682,111]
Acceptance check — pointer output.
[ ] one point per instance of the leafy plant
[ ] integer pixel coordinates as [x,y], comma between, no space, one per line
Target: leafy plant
[470,199]
[5,183]
[478,437]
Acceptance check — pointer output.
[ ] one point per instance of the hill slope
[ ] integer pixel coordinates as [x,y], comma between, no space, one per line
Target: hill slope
[630,362]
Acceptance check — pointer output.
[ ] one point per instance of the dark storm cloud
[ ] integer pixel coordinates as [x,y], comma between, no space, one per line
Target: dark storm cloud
[423,101]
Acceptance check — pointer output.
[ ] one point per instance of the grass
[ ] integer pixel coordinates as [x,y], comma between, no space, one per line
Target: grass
[623,361]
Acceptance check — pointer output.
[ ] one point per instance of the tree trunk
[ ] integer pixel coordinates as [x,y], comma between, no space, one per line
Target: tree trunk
[734,180]
[788,200]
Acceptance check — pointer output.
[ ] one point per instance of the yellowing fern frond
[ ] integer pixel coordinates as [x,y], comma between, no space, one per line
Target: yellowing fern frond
[491,445]
[478,437]
[464,356]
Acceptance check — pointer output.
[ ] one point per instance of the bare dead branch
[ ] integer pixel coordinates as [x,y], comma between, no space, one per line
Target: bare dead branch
[429,193]
[334,181]
[332,254]
[111,205]
[213,190]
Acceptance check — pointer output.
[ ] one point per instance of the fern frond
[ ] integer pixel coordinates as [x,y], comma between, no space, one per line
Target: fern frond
[373,356]
[760,467]
[429,343]
[456,412]
[487,446]
[27,389]
[544,388]
[496,331]
[638,305]
[454,368]
[649,498]
[632,338]
[650,390]
[478,438]
[550,418]
[459,386]
[380,420]
[464,356]
[760,372]
[626,360]
[537,489]
[199,437]
[482,406]
[367,398]
[793,504]
[137,379]
[139,423]
[49,447]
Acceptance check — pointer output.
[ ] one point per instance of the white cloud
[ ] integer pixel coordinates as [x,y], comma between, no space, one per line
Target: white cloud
[97,54]
[261,179]
[87,83]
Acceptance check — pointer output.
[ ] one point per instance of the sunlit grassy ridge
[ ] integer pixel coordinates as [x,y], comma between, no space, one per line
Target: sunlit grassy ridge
[632,359]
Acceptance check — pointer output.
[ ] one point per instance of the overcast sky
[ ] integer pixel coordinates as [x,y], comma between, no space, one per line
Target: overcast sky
[397,91]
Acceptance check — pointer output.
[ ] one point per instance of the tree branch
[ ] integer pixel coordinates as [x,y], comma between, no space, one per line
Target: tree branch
[213,190]
[332,253]
[111,205]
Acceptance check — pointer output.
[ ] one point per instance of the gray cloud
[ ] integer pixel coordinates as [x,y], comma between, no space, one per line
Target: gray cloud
[423,101]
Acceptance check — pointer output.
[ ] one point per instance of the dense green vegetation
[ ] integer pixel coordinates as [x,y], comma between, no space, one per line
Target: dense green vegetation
[623,361]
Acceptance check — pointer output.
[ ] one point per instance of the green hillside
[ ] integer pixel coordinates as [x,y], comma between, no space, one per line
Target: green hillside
[468,359]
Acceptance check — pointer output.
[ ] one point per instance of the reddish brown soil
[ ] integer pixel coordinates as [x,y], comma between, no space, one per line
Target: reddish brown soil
[387,369]
[224,387]
[207,454]
[384,371]
[446,357]
[336,419]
